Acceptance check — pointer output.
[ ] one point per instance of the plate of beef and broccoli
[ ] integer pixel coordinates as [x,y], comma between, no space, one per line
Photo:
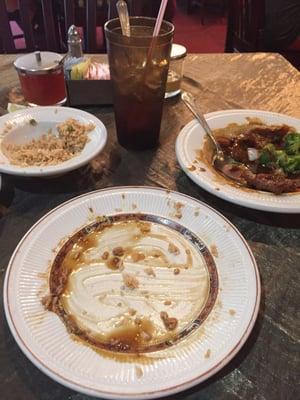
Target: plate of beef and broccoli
[262,158]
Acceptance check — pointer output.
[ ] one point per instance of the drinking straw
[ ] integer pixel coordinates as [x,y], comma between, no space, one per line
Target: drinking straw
[124,17]
[160,17]
[156,31]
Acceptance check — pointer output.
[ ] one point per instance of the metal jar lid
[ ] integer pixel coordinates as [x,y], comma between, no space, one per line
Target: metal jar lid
[39,62]
[177,51]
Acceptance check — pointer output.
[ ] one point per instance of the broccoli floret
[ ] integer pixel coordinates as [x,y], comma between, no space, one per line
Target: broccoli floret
[290,164]
[268,155]
[271,157]
[292,143]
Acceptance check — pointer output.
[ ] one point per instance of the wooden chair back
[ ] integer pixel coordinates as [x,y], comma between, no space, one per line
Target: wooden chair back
[246,19]
[55,25]
[6,39]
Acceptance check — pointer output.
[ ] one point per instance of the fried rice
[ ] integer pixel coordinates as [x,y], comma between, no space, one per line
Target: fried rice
[50,148]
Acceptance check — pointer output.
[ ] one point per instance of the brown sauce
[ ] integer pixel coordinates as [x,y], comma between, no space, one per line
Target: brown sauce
[133,336]
[136,335]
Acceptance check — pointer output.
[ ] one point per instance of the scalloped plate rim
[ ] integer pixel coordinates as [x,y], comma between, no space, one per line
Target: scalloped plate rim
[145,395]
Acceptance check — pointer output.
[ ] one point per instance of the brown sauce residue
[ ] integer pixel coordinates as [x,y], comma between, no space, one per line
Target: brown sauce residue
[136,335]
[138,372]
[133,336]
[42,275]
[214,250]
[207,354]
[88,242]
[197,212]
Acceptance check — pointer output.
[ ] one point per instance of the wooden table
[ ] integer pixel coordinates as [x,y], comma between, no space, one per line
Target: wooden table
[266,367]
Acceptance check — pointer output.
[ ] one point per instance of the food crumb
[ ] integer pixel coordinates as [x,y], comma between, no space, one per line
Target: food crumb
[218,189]
[192,168]
[178,209]
[118,251]
[118,210]
[202,169]
[232,312]
[47,302]
[150,271]
[170,323]
[207,354]
[105,255]
[130,281]
[136,256]
[167,302]
[32,122]
[214,250]
[134,206]
[155,254]
[131,311]
[123,196]
[138,372]
[91,210]
[114,263]
[173,249]
[145,227]
[176,271]
[101,297]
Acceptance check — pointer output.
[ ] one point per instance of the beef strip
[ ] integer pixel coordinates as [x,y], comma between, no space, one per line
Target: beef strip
[276,183]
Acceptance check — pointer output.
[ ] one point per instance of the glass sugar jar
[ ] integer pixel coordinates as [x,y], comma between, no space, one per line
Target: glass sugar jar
[175,74]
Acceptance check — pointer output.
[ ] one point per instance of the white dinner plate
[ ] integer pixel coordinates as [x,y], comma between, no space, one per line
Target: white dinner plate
[191,139]
[234,285]
[21,131]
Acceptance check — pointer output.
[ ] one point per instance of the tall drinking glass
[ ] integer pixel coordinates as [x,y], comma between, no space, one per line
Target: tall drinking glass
[139,69]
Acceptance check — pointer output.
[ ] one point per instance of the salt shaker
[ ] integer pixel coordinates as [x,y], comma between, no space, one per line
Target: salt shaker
[75,54]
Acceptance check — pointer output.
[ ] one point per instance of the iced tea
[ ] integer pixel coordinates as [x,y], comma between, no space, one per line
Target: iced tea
[139,68]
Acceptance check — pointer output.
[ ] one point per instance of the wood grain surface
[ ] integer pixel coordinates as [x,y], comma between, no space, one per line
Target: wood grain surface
[267,367]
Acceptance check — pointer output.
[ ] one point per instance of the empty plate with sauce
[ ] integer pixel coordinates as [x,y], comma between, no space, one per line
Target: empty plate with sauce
[131,292]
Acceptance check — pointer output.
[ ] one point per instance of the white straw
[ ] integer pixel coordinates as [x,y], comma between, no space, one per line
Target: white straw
[160,17]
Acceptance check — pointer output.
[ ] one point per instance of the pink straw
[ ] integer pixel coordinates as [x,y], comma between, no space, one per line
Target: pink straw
[160,17]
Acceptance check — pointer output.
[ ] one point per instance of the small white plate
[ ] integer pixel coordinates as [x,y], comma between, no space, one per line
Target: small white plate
[48,117]
[43,338]
[191,139]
